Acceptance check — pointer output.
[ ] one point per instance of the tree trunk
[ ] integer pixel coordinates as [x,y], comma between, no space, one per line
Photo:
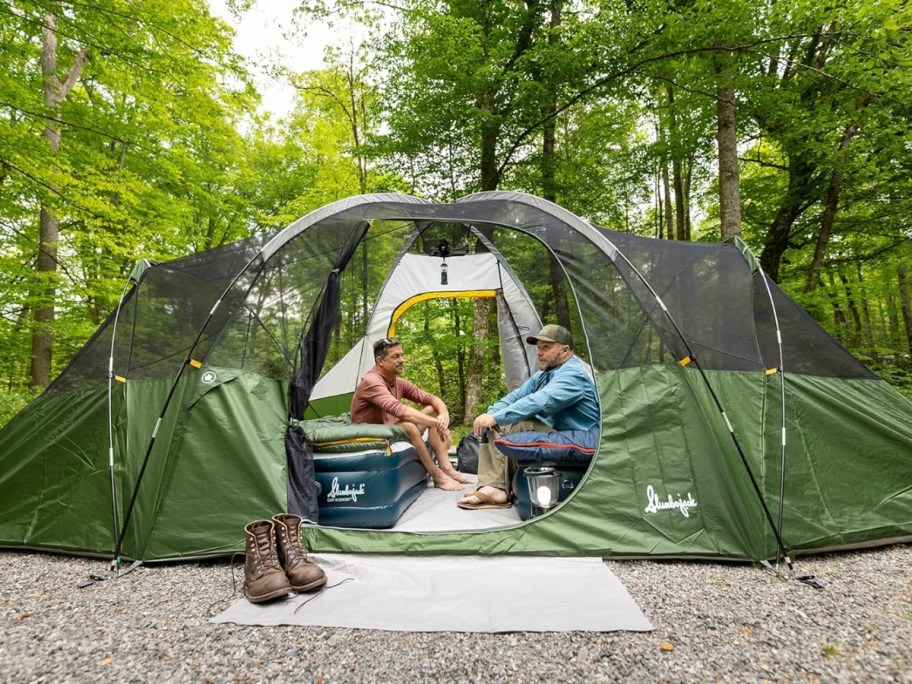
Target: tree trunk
[438,358]
[490,131]
[549,128]
[43,313]
[892,320]
[677,177]
[663,182]
[832,204]
[559,290]
[460,357]
[475,375]
[905,301]
[839,319]
[867,328]
[687,183]
[680,200]
[358,122]
[489,181]
[853,309]
[665,204]
[55,92]
[549,185]
[797,198]
[727,139]
[826,230]
[549,192]
[475,371]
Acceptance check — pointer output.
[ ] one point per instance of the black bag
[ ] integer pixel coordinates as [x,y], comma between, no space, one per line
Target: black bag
[467,454]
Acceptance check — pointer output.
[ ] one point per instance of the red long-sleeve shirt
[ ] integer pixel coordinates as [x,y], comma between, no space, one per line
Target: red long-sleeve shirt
[378,400]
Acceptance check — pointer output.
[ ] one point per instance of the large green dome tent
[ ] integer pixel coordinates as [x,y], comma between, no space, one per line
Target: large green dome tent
[733,426]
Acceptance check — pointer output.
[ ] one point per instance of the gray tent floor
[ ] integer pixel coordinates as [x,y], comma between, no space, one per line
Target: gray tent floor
[436,511]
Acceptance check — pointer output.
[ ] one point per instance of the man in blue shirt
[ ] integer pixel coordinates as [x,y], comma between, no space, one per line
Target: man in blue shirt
[559,397]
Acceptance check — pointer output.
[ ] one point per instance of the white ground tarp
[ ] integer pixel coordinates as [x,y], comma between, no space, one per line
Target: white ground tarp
[455,594]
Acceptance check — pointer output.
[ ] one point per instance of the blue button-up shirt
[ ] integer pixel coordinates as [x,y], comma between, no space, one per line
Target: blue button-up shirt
[563,397]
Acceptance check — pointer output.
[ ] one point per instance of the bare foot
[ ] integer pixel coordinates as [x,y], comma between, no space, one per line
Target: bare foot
[497,496]
[456,475]
[447,484]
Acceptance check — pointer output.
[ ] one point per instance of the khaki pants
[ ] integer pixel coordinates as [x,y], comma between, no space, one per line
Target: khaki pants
[494,469]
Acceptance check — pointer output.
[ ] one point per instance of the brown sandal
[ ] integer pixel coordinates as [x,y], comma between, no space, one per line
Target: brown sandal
[484,501]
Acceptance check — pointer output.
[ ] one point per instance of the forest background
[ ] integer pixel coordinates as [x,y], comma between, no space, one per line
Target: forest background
[131,129]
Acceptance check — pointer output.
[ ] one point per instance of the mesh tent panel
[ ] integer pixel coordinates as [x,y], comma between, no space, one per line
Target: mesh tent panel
[808,349]
[707,289]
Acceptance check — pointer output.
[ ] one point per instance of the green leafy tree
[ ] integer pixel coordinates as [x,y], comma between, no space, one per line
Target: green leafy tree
[117,128]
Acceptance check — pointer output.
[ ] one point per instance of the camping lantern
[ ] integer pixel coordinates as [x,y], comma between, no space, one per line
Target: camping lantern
[443,273]
[543,484]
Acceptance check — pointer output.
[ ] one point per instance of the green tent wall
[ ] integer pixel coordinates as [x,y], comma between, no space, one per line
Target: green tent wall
[697,358]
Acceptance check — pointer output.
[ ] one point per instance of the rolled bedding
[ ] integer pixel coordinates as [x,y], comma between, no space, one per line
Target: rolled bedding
[338,434]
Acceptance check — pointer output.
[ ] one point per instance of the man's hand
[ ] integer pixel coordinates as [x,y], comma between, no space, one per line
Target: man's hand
[443,424]
[485,420]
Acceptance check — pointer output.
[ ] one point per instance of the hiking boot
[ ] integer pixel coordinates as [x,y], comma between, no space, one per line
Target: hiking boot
[264,578]
[302,572]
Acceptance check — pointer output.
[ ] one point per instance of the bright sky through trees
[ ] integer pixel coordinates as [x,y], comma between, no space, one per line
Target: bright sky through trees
[268,37]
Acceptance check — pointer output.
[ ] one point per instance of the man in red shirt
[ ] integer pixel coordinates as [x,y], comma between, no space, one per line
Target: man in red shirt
[378,399]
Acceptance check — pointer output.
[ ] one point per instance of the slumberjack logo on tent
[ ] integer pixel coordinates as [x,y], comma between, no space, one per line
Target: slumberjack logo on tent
[656,504]
[348,494]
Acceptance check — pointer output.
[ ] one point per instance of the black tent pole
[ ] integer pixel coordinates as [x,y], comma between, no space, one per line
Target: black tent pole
[145,462]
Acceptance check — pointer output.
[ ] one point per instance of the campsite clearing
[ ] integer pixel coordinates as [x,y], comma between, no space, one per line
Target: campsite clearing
[713,622]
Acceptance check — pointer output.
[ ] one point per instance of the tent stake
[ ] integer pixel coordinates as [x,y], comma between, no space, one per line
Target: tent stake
[810,580]
[115,573]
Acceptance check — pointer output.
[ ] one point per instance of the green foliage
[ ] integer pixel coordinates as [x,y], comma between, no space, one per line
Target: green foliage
[162,154]
[14,400]
[891,369]
[436,335]
[602,151]
[148,134]
[470,84]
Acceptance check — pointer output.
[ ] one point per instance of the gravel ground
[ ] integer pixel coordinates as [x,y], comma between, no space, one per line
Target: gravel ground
[713,623]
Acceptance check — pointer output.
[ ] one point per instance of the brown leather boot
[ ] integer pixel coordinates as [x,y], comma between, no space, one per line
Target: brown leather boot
[302,572]
[264,578]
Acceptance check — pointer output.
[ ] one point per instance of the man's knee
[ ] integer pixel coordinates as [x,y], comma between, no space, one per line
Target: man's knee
[410,429]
